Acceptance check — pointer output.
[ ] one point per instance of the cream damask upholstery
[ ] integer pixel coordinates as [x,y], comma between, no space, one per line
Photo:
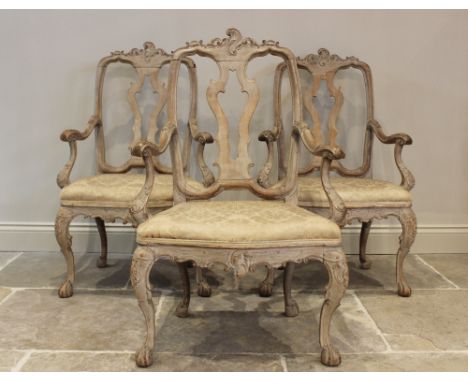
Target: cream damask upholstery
[118,190]
[355,192]
[239,224]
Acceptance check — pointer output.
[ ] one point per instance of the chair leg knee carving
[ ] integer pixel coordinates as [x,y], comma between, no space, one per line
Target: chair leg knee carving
[291,309]
[407,219]
[182,308]
[203,288]
[64,239]
[337,268]
[365,263]
[139,272]
[101,226]
[265,288]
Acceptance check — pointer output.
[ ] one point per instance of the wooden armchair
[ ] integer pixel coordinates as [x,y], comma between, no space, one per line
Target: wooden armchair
[239,234]
[361,198]
[108,195]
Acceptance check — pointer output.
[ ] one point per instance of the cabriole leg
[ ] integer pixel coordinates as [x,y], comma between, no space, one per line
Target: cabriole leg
[291,309]
[101,226]
[64,239]
[337,267]
[182,308]
[266,286]
[203,288]
[365,229]
[139,274]
[408,223]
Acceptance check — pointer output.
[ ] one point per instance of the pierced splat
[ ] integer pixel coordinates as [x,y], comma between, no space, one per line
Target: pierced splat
[232,56]
[324,67]
[158,87]
[147,63]
[238,167]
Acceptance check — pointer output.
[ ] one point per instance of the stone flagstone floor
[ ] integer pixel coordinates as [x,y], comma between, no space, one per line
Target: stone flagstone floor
[100,327]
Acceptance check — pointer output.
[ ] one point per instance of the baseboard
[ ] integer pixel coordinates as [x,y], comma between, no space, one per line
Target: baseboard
[383,239]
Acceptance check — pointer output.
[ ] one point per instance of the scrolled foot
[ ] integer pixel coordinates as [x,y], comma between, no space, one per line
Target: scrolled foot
[66,289]
[404,289]
[203,289]
[101,263]
[292,310]
[144,357]
[366,264]
[265,289]
[330,356]
[182,310]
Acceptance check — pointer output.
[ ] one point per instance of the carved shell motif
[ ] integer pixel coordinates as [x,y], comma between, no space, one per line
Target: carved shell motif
[233,43]
[239,263]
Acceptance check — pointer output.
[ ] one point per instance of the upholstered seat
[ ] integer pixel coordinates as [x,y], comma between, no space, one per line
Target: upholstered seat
[237,224]
[118,190]
[355,192]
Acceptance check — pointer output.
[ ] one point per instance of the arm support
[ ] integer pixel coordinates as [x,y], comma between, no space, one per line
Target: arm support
[203,138]
[399,140]
[71,136]
[328,154]
[269,137]
[147,150]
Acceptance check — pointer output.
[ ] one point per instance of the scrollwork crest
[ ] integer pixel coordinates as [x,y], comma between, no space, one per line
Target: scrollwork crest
[324,58]
[149,50]
[233,43]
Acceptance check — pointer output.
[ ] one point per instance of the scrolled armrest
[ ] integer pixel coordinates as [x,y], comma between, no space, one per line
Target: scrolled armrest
[139,149]
[76,135]
[142,147]
[399,138]
[331,152]
[204,138]
[325,151]
[267,136]
[72,136]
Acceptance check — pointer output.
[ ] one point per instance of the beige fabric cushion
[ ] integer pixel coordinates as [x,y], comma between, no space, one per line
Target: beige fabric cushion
[355,192]
[118,190]
[238,224]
